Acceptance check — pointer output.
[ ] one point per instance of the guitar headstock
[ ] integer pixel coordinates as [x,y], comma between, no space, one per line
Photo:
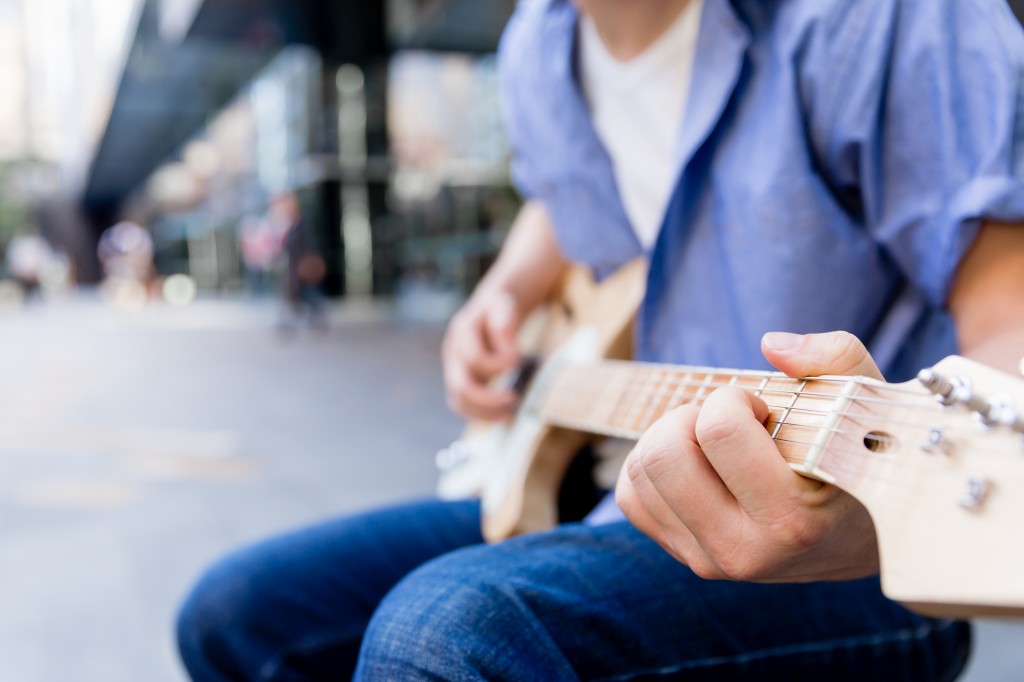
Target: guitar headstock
[939,464]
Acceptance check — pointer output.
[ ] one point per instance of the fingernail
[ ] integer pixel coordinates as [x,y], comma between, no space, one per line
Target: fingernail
[781,341]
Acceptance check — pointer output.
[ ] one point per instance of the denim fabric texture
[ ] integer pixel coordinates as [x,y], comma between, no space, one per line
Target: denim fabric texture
[576,603]
[295,607]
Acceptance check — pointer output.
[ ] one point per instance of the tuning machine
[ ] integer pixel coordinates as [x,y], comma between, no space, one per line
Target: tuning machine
[937,443]
[958,391]
[978,490]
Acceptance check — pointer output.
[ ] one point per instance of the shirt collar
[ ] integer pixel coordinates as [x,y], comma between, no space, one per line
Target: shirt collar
[718,68]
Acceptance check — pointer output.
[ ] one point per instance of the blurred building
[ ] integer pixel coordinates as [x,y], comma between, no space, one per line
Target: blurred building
[187,116]
[60,60]
[382,116]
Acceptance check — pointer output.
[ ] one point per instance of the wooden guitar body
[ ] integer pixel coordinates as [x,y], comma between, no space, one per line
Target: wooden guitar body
[517,468]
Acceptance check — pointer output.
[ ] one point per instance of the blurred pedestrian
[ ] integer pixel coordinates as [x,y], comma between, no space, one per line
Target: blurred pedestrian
[28,256]
[305,266]
[261,248]
[126,254]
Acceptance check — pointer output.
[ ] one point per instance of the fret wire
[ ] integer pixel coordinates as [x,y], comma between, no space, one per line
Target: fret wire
[613,388]
[789,408]
[627,384]
[665,398]
[606,401]
[637,403]
[623,382]
[651,415]
[673,396]
[651,392]
[764,384]
[678,397]
[646,397]
[610,396]
[703,388]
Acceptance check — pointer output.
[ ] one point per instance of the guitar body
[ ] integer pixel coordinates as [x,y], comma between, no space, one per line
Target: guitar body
[517,468]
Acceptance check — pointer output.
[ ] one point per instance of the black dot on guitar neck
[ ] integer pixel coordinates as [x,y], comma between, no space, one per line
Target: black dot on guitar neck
[879,441]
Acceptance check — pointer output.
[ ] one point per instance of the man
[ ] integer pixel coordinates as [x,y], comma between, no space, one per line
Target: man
[830,164]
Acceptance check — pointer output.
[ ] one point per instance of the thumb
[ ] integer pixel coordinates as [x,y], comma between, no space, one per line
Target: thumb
[808,355]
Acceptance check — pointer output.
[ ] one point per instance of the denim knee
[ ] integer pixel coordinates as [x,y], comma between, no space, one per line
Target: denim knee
[459,617]
[215,623]
[429,626]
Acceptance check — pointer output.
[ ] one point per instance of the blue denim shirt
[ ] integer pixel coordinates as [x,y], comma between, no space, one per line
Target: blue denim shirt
[834,164]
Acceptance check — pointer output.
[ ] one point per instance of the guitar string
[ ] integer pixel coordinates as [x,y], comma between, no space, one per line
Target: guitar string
[846,465]
[861,416]
[854,466]
[852,461]
[770,376]
[833,466]
[788,409]
[669,391]
[887,440]
[929,404]
[619,365]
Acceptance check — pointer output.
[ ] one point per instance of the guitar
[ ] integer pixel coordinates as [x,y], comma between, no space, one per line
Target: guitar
[938,461]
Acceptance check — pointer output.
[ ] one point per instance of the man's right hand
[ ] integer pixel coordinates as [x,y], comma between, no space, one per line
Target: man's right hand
[480,344]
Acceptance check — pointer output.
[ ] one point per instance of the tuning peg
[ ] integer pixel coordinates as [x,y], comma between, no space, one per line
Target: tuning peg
[948,391]
[937,442]
[978,489]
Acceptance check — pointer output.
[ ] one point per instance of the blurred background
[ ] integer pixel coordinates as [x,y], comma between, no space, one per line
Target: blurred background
[186,117]
[231,233]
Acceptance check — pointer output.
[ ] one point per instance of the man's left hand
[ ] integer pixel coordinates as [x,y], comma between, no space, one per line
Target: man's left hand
[710,486]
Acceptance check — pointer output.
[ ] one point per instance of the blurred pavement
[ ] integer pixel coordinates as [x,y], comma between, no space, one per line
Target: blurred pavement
[136,448]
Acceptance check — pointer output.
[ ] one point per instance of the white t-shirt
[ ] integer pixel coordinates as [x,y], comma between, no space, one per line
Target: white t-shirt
[637,108]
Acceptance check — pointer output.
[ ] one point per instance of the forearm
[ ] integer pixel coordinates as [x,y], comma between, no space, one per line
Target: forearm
[1003,350]
[987,299]
[530,263]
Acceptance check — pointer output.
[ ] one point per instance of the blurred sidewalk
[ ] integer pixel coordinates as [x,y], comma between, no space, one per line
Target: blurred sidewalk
[136,448]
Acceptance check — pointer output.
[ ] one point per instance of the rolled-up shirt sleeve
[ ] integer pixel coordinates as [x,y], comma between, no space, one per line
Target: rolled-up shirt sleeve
[915,110]
[515,98]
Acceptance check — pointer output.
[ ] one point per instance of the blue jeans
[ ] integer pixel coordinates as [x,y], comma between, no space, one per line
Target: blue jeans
[411,593]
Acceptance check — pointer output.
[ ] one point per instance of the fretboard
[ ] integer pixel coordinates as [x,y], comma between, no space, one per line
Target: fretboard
[623,399]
